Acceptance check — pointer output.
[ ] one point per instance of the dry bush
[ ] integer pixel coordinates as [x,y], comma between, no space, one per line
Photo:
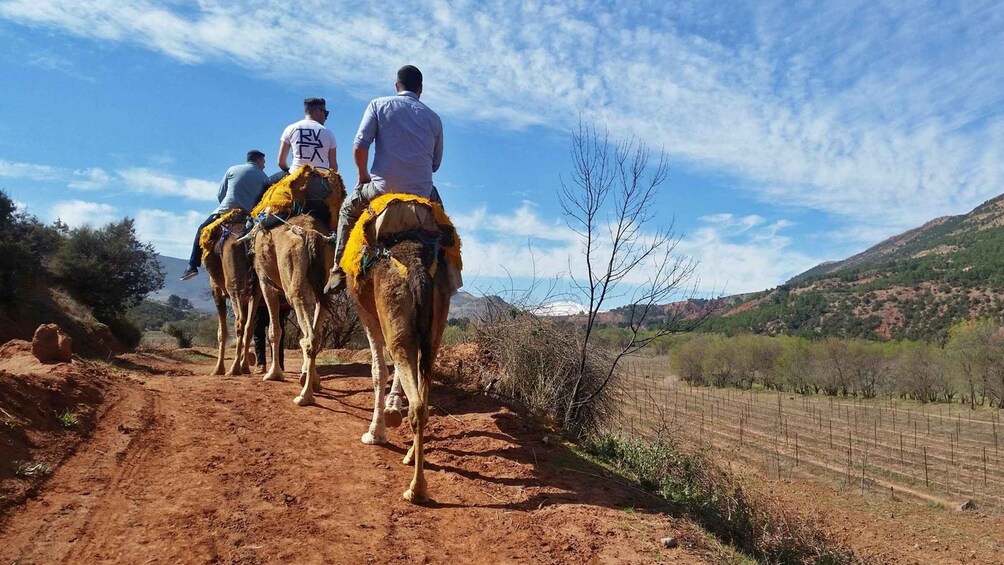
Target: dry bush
[534,362]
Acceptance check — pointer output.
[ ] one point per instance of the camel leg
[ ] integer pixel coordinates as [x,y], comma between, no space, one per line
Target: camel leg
[306,397]
[377,433]
[393,404]
[418,414]
[249,321]
[271,297]
[236,366]
[221,332]
[320,314]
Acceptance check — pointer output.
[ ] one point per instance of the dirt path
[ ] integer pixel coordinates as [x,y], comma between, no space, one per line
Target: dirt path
[194,469]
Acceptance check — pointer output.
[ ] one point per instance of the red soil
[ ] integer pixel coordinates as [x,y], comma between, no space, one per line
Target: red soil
[173,466]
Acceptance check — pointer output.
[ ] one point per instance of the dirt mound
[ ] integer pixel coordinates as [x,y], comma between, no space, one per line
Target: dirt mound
[48,305]
[45,410]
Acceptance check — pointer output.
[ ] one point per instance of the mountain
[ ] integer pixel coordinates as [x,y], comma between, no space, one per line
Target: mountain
[195,290]
[914,285]
[466,305]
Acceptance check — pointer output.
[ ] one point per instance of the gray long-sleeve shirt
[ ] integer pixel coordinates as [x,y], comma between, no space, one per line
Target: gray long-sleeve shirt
[242,187]
[409,143]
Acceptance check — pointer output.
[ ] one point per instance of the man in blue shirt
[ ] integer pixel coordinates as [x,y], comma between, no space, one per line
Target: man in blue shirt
[409,148]
[242,187]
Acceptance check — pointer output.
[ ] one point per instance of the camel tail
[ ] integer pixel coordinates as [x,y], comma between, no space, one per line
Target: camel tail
[317,271]
[420,284]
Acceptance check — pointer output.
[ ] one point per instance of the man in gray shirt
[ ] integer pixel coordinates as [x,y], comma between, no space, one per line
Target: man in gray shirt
[242,188]
[409,148]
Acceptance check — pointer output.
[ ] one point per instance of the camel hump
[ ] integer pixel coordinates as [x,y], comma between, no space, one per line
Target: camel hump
[402,216]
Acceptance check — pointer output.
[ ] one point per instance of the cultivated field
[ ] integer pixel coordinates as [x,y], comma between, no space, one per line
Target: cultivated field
[939,453]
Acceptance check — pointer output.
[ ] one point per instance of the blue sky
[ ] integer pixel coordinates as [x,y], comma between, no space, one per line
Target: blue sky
[795,133]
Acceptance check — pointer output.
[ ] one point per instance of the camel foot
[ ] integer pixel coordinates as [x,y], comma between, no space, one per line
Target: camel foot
[414,497]
[273,377]
[370,439]
[392,417]
[317,385]
[304,401]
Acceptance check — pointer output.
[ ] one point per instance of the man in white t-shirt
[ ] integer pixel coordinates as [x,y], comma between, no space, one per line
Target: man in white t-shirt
[312,144]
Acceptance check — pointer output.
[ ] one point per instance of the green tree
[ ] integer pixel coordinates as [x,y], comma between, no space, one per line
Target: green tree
[107,268]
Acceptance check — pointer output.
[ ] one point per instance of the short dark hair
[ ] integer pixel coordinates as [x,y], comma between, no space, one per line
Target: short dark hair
[410,78]
[313,103]
[254,155]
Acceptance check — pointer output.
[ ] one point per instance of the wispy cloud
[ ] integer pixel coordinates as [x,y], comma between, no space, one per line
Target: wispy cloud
[131,180]
[170,234]
[887,113]
[163,184]
[734,253]
[81,179]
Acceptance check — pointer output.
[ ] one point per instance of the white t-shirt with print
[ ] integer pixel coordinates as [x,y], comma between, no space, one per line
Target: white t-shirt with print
[310,142]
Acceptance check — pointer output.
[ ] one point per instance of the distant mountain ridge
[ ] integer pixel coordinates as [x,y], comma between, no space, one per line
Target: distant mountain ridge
[463,304]
[914,285]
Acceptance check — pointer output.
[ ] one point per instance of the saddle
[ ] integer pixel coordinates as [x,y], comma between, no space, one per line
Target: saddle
[391,218]
[212,236]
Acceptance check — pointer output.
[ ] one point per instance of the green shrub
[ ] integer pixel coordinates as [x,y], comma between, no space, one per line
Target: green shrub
[125,331]
[107,268]
[712,496]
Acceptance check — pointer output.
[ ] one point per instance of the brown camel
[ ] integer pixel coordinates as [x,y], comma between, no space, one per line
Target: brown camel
[231,277]
[403,301]
[294,259]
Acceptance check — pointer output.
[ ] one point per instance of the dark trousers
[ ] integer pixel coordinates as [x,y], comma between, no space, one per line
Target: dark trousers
[196,258]
[261,329]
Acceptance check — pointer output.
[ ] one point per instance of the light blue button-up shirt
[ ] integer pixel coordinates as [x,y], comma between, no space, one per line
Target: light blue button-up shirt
[409,143]
[242,187]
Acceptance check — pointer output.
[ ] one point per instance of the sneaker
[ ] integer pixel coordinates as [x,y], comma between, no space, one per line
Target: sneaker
[190,274]
[336,282]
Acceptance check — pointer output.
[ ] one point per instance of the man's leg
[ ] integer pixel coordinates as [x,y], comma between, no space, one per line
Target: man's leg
[351,209]
[318,190]
[196,259]
[283,313]
[260,329]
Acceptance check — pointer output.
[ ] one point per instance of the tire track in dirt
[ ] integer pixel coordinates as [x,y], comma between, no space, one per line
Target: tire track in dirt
[78,489]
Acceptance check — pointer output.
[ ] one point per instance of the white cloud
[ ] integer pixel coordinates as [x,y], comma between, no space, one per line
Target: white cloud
[163,184]
[734,253]
[30,171]
[90,179]
[743,254]
[134,179]
[885,114]
[170,234]
[76,213]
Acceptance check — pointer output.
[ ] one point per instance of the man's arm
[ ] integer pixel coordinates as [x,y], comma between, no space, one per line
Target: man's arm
[361,145]
[332,159]
[283,154]
[437,152]
[361,155]
[222,193]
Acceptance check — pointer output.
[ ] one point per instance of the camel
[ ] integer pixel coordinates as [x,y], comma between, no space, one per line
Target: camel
[294,259]
[230,277]
[403,301]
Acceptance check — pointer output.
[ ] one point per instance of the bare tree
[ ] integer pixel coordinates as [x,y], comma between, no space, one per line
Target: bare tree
[609,201]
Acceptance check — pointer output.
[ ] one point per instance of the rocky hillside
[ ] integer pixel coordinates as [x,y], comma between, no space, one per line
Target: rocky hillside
[915,285]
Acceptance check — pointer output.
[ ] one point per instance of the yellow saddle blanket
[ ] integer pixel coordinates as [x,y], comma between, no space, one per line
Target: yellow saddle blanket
[211,233]
[391,214]
[281,196]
